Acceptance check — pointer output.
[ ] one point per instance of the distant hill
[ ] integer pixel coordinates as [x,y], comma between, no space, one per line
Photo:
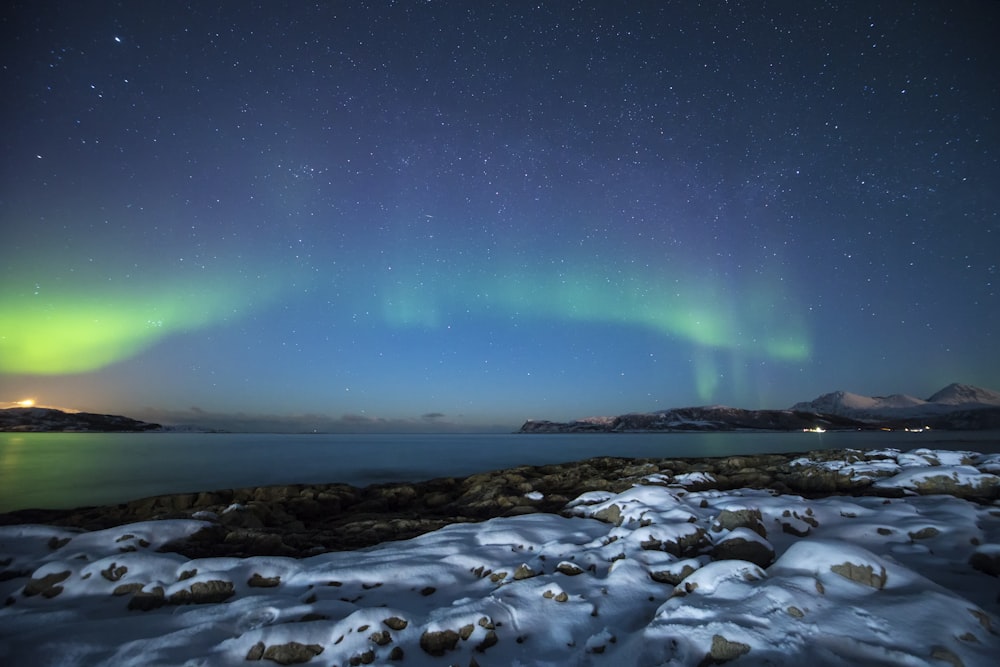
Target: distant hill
[954,397]
[956,407]
[710,418]
[49,419]
[963,394]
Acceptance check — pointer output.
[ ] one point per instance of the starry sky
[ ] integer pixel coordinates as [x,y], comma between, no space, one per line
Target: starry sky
[451,215]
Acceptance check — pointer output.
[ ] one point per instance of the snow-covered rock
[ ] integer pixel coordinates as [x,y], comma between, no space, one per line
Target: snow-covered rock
[668,576]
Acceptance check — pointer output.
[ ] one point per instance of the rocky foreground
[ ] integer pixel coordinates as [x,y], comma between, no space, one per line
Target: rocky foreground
[303,520]
[835,558]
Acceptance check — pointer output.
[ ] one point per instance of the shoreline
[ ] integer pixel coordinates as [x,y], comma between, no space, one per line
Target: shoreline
[841,557]
[301,520]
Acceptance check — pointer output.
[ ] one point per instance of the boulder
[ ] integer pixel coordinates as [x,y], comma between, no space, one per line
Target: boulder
[724,650]
[986,559]
[740,518]
[437,643]
[862,574]
[744,544]
[292,653]
[204,592]
[46,586]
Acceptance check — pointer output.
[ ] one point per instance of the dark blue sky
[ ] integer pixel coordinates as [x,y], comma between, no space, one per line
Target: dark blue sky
[411,215]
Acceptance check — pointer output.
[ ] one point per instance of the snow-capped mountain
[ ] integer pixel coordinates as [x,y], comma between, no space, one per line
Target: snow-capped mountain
[952,398]
[956,407]
[844,402]
[962,394]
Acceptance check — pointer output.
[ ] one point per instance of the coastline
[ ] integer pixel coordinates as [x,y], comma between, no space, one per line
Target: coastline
[833,557]
[301,520]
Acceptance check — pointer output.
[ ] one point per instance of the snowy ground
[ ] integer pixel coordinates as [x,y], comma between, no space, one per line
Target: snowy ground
[656,575]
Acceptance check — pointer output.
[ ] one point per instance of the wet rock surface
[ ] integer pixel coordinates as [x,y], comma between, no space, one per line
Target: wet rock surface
[303,520]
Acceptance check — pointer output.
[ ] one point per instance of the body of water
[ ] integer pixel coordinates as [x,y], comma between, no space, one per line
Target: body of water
[62,470]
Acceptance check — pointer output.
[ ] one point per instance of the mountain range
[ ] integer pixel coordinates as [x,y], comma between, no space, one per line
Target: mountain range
[956,407]
[954,396]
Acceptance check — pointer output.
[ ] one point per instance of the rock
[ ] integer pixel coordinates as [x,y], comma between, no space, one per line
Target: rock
[147,600]
[986,559]
[258,581]
[126,589]
[813,479]
[57,543]
[569,569]
[959,481]
[945,655]
[672,577]
[524,572]
[924,533]
[796,528]
[561,596]
[256,651]
[438,643]
[862,574]
[489,640]
[724,650]
[114,572]
[380,638]
[366,658]
[204,592]
[255,543]
[689,544]
[395,623]
[611,514]
[292,653]
[737,546]
[45,586]
[242,519]
[741,518]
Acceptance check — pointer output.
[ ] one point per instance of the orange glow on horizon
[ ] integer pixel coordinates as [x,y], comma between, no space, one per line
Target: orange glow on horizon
[33,403]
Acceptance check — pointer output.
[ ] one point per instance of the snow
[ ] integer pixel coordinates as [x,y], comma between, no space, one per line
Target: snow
[963,394]
[626,578]
[693,479]
[857,406]
[844,401]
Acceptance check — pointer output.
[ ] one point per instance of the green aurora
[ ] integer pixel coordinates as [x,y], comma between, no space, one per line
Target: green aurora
[88,326]
[83,329]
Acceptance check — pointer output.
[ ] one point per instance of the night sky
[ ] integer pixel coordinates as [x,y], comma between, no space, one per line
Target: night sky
[461,215]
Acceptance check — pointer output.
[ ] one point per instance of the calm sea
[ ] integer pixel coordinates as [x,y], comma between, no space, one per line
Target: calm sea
[61,470]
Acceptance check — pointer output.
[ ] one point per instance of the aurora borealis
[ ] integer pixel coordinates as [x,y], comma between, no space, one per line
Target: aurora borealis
[436,215]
